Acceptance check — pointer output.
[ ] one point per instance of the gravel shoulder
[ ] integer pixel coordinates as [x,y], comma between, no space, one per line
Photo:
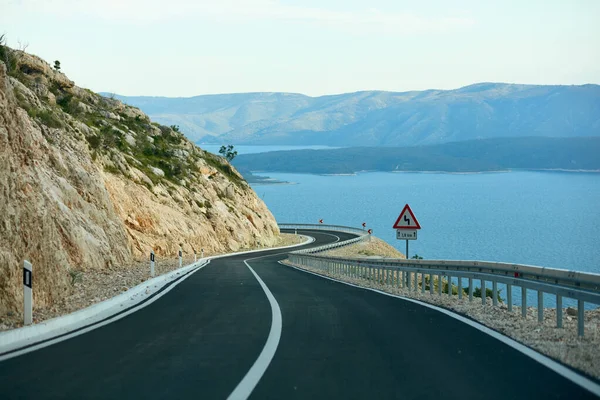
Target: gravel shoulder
[91,287]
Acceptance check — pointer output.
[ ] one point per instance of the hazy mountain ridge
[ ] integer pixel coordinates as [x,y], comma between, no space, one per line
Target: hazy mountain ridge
[467,156]
[377,118]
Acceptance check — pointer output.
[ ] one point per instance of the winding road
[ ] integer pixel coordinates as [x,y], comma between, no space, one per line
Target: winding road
[246,326]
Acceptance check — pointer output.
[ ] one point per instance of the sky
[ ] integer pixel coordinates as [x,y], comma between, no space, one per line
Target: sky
[181,48]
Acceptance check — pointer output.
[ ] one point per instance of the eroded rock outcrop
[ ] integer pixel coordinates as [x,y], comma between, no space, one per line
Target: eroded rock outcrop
[87,182]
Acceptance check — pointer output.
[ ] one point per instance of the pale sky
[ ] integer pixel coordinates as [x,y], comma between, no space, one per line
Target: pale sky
[315,47]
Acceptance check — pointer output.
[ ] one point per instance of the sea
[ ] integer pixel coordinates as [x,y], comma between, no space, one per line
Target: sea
[542,218]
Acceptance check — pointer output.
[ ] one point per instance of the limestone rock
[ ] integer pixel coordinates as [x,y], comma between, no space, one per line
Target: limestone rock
[73,195]
[157,171]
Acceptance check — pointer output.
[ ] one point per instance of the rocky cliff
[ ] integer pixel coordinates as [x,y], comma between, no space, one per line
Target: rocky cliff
[87,182]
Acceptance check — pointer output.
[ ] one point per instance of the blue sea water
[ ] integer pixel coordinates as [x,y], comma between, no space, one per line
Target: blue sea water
[549,219]
[546,219]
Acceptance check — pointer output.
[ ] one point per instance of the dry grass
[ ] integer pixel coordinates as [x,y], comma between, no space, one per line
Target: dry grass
[374,247]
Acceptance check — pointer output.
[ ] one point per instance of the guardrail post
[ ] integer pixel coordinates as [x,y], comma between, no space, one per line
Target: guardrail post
[422,282]
[460,288]
[495,293]
[483,292]
[523,301]
[580,317]
[449,285]
[470,289]
[416,281]
[431,288]
[509,296]
[540,306]
[27,293]
[440,284]
[559,311]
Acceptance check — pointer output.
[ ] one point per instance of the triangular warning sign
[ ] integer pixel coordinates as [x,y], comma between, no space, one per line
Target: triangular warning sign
[407,220]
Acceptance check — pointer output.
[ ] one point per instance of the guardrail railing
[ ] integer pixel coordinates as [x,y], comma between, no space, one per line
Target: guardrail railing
[361,235]
[581,286]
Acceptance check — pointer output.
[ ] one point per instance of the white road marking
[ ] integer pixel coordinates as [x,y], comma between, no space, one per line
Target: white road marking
[95,324]
[560,369]
[244,389]
[249,382]
[100,324]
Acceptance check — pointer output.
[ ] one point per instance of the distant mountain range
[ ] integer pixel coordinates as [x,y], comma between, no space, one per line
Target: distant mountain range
[376,118]
[582,154]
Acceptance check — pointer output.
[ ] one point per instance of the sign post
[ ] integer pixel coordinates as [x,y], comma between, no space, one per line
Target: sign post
[27,295]
[406,226]
[152,263]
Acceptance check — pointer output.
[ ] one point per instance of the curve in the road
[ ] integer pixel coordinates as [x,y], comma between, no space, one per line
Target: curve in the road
[335,341]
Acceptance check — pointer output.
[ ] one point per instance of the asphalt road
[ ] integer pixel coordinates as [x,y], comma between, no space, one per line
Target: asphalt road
[199,341]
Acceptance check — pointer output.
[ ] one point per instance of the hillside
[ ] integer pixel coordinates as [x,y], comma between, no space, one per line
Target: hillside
[378,118]
[87,183]
[467,156]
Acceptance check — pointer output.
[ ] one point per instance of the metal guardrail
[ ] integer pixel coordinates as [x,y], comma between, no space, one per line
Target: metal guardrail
[580,286]
[362,235]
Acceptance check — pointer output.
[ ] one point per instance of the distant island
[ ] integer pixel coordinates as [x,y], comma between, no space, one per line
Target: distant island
[532,153]
[378,118]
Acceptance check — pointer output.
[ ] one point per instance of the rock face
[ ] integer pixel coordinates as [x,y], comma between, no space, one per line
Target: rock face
[87,182]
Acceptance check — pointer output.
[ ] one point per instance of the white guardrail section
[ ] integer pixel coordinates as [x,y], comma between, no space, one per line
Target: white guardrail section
[580,286]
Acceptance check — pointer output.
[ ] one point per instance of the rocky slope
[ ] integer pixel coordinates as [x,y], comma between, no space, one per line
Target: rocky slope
[88,183]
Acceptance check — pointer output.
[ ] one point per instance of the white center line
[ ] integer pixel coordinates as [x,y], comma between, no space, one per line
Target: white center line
[247,385]
[243,390]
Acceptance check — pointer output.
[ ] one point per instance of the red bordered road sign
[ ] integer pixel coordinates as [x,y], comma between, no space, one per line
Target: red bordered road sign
[407,220]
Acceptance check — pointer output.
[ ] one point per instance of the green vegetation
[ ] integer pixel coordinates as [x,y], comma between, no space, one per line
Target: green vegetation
[576,153]
[8,57]
[45,117]
[76,276]
[68,104]
[228,152]
[476,290]
[141,145]
[488,293]
[226,169]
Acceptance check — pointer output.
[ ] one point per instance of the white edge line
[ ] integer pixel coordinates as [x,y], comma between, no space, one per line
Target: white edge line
[98,325]
[39,335]
[243,390]
[560,369]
